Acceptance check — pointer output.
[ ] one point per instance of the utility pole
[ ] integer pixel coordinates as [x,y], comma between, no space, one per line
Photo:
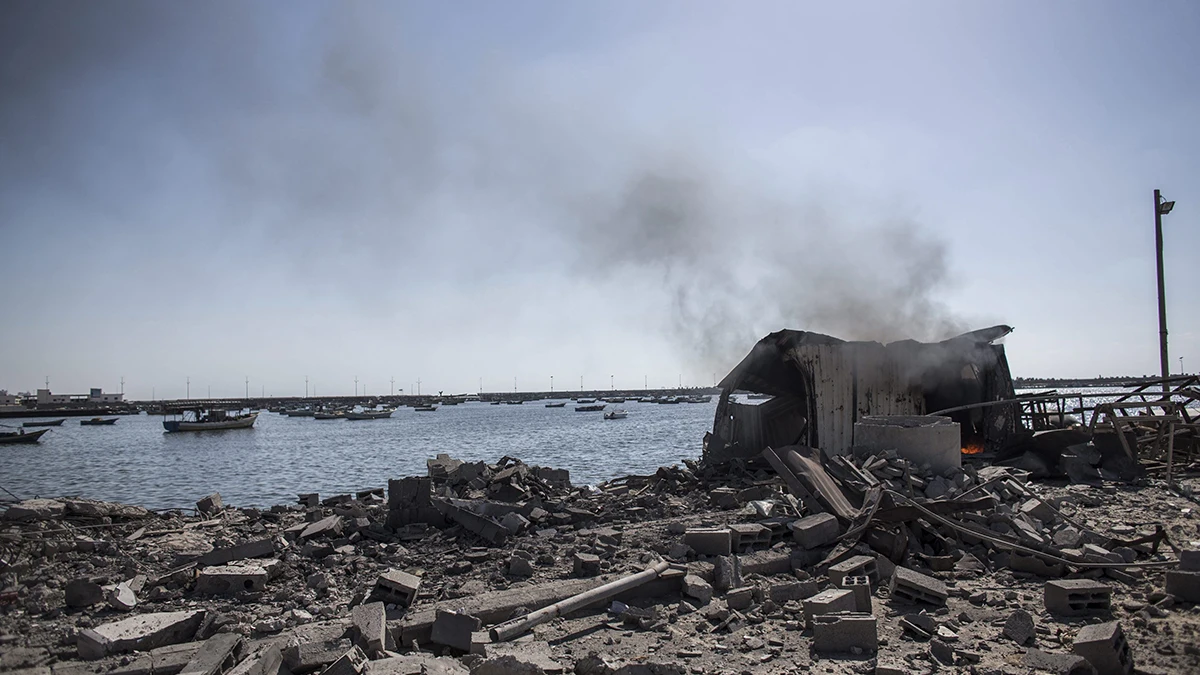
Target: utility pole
[356,385]
[418,386]
[122,386]
[305,386]
[645,382]
[611,386]
[551,384]
[189,386]
[1161,208]
[514,384]
[581,384]
[247,387]
[393,386]
[1181,370]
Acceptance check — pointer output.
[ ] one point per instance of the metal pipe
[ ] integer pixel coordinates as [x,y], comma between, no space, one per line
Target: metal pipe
[1162,298]
[511,629]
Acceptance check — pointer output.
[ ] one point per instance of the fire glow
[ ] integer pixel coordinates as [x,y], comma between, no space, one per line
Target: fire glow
[972,448]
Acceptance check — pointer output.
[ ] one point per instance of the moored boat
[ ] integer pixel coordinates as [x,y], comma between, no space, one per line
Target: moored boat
[14,437]
[431,408]
[560,404]
[202,419]
[616,415]
[369,414]
[48,423]
[329,415]
[303,412]
[596,407]
[97,421]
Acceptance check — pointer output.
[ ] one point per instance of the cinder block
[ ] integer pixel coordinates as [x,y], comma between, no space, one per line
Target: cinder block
[454,629]
[861,588]
[1076,597]
[709,541]
[397,587]
[826,602]
[1189,560]
[816,530]
[1184,585]
[586,565]
[1105,647]
[309,499]
[858,566]
[749,535]
[723,497]
[353,662]
[843,631]
[791,590]
[231,579]
[914,587]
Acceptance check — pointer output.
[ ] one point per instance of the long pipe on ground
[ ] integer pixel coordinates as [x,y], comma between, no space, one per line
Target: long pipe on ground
[511,629]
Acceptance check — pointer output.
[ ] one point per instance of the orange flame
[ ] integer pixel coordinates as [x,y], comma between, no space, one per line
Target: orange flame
[972,448]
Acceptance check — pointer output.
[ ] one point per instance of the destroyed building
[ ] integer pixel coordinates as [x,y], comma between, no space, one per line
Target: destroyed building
[821,388]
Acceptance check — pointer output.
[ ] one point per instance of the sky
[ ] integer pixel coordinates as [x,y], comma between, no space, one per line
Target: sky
[484,194]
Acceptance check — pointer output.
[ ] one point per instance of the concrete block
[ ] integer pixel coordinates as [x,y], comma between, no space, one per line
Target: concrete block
[1035,508]
[827,602]
[210,504]
[921,439]
[723,497]
[36,509]
[858,566]
[231,579]
[709,541]
[1019,627]
[740,598]
[454,629]
[749,535]
[353,662]
[727,572]
[121,598]
[140,633]
[313,655]
[309,499]
[585,565]
[1020,562]
[217,655]
[788,591]
[489,529]
[396,587]
[1105,647]
[861,588]
[514,522]
[265,658]
[1189,560]
[1064,664]
[842,632]
[370,624]
[259,548]
[1184,585]
[913,587]
[816,530]
[326,527]
[172,659]
[520,567]
[1076,597]
[418,664]
[696,587]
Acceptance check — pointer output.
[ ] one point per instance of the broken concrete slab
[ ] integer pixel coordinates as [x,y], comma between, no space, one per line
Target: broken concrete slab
[35,509]
[417,664]
[1184,585]
[83,593]
[231,579]
[454,629]
[138,633]
[217,655]
[1105,647]
[828,602]
[709,540]
[121,598]
[817,530]
[370,623]
[330,527]
[353,662]
[1019,627]
[698,588]
[258,548]
[1060,664]
[844,632]
[210,505]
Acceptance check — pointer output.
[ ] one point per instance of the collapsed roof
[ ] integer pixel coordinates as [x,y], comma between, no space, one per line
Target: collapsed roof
[822,385]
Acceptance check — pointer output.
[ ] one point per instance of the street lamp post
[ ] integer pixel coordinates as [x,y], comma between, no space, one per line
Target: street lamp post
[1161,208]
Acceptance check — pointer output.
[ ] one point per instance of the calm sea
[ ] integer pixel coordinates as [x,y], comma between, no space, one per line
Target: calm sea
[133,461]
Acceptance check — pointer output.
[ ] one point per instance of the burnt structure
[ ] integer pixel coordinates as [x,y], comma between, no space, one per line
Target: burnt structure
[819,386]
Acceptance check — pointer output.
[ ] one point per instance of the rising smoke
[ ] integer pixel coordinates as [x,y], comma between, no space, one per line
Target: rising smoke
[343,137]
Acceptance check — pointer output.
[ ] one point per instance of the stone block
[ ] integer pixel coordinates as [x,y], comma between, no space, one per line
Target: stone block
[514,522]
[231,579]
[861,588]
[1184,585]
[842,632]
[454,629]
[1076,597]
[696,587]
[217,655]
[749,535]
[210,504]
[816,530]
[353,662]
[396,587]
[520,567]
[857,566]
[827,602]
[740,598]
[585,565]
[140,633]
[727,572]
[325,527]
[913,587]
[1105,647]
[709,541]
[370,625]
[1189,560]
[1019,627]
[1036,508]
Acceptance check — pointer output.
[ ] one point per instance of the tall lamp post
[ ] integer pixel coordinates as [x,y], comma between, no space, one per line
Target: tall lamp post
[1161,208]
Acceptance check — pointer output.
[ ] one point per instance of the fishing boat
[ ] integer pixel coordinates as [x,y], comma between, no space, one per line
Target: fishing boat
[329,415]
[595,407]
[617,399]
[369,414]
[616,415]
[584,401]
[560,404]
[48,423]
[431,408]
[98,421]
[14,437]
[203,419]
[302,412]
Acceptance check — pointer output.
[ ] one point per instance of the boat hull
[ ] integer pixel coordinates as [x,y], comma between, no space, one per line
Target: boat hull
[97,422]
[242,423]
[368,415]
[14,439]
[52,423]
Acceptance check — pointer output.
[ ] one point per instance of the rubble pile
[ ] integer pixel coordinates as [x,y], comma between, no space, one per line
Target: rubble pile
[862,562]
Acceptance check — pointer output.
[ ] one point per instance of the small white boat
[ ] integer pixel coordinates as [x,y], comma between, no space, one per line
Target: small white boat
[616,415]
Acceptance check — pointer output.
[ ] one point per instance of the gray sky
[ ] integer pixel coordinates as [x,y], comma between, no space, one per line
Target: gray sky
[456,191]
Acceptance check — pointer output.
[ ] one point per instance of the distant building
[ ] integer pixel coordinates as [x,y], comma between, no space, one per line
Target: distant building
[95,397]
[7,398]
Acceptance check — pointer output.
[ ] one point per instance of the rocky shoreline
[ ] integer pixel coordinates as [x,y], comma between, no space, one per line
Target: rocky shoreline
[695,569]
